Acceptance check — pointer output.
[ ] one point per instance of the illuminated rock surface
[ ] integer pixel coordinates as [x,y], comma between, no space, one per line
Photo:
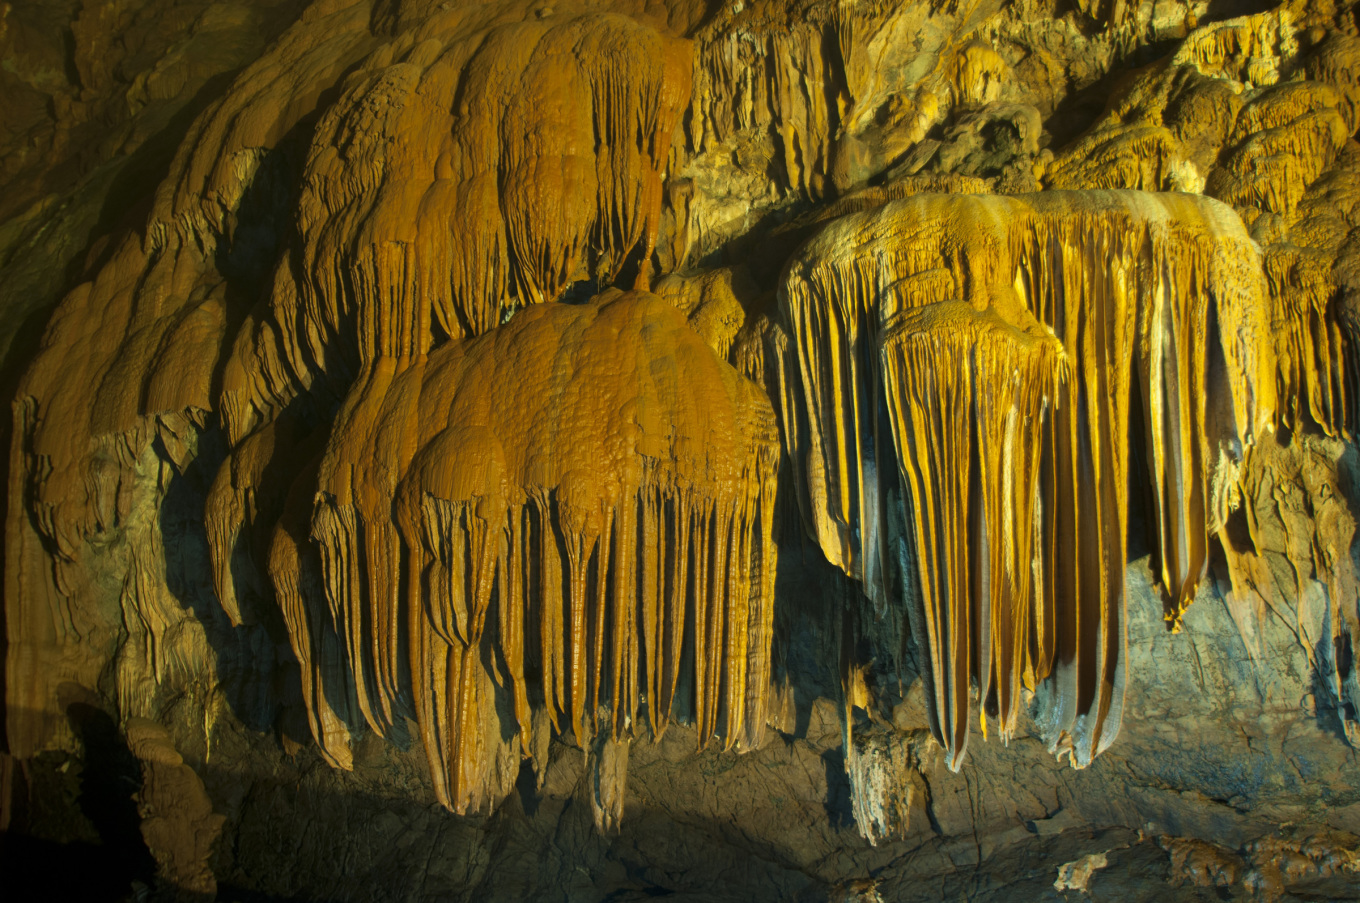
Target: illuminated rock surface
[518,450]
[608,507]
[1020,347]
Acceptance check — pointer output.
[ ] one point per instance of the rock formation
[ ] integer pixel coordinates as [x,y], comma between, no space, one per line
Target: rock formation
[706,413]
[178,821]
[606,507]
[975,371]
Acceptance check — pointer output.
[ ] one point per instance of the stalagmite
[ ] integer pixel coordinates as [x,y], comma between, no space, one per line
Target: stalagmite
[550,516]
[178,824]
[989,361]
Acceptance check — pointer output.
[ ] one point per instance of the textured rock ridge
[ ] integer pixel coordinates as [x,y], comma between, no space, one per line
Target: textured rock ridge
[178,821]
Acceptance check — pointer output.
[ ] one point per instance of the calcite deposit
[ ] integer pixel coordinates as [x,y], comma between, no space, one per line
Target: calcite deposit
[1019,348]
[608,507]
[526,450]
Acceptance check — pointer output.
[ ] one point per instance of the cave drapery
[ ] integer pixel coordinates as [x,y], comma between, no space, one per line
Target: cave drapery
[974,371]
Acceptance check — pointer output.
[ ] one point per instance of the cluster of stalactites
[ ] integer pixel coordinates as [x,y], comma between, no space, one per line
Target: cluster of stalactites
[589,541]
[1315,381]
[966,396]
[1258,112]
[454,182]
[933,331]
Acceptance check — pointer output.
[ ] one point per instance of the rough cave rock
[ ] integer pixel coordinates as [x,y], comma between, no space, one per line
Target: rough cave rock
[605,450]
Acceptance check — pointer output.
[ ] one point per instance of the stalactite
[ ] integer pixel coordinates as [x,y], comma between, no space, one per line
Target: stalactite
[1063,318]
[411,230]
[1284,140]
[1249,49]
[328,687]
[966,393]
[559,542]
[1314,350]
[408,234]
[131,351]
[1246,113]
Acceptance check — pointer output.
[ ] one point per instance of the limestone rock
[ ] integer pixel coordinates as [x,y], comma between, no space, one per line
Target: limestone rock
[178,821]
[986,338]
[999,352]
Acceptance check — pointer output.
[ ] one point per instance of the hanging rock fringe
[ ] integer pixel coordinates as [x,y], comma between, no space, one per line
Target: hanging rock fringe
[990,361]
[571,513]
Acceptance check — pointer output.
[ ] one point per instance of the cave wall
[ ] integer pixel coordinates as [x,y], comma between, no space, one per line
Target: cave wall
[507,450]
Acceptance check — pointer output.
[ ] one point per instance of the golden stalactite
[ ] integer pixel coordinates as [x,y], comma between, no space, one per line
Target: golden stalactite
[967,386]
[755,76]
[1283,141]
[1031,304]
[293,563]
[1247,112]
[1249,49]
[1218,117]
[424,213]
[978,73]
[409,232]
[1314,350]
[409,214]
[552,513]
[130,359]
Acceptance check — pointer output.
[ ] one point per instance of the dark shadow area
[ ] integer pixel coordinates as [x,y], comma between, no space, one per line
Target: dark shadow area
[1231,9]
[61,871]
[631,266]
[839,811]
[1141,534]
[580,292]
[1332,657]
[106,853]
[765,247]
[255,665]
[128,201]
[109,783]
[1078,110]
[22,350]
[309,836]
[230,893]
[245,658]
[809,597]
[526,785]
